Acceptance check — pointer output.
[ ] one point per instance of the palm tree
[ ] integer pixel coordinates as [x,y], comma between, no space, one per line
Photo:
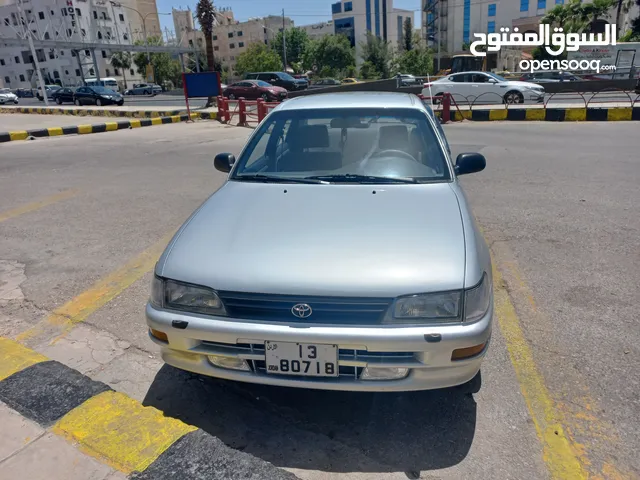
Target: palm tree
[595,10]
[622,6]
[575,16]
[206,15]
[122,60]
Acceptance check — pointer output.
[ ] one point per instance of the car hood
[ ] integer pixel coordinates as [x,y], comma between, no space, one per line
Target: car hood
[336,240]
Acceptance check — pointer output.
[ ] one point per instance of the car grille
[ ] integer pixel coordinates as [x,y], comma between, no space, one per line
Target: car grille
[346,357]
[325,310]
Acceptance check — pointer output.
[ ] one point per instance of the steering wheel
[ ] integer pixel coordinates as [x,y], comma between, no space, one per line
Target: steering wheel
[392,153]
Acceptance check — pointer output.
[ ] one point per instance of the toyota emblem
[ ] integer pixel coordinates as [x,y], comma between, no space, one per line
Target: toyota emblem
[301,310]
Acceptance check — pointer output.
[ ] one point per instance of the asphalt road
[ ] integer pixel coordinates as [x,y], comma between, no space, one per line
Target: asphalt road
[558,203]
[171,101]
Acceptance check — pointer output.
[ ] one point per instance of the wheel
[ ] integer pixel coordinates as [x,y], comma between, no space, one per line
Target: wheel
[513,97]
[98,102]
[58,101]
[231,96]
[148,92]
[265,97]
[77,102]
[15,101]
[121,103]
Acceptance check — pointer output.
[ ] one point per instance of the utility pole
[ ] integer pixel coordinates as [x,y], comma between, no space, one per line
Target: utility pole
[284,44]
[27,31]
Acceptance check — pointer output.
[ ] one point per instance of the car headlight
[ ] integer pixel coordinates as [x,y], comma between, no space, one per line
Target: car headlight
[477,300]
[183,296]
[431,306]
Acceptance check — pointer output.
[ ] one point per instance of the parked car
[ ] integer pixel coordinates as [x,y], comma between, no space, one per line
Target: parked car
[7,96]
[473,84]
[279,79]
[63,95]
[386,285]
[144,89]
[253,89]
[549,76]
[407,80]
[50,89]
[324,82]
[350,80]
[97,96]
[24,93]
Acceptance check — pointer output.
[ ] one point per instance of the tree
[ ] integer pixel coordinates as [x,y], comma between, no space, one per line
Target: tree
[416,62]
[257,58]
[378,54]
[330,55]
[578,17]
[165,67]
[407,40]
[122,60]
[296,40]
[206,15]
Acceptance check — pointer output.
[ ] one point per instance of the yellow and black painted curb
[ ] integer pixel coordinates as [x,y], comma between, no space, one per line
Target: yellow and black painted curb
[116,429]
[94,112]
[100,127]
[549,114]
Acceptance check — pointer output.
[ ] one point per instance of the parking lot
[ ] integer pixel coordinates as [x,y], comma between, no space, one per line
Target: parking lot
[83,220]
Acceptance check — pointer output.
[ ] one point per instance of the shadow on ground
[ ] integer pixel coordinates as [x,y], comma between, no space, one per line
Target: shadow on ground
[326,431]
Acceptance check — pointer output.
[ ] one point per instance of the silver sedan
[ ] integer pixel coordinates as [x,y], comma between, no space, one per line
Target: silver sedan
[340,254]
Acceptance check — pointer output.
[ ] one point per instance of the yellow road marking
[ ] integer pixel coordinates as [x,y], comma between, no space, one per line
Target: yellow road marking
[111,126]
[117,428]
[560,454]
[19,135]
[615,114]
[30,207]
[106,289]
[497,114]
[53,131]
[156,121]
[537,114]
[575,114]
[85,129]
[135,123]
[14,357]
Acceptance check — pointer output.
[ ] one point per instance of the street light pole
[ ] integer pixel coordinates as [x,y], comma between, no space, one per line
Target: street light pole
[27,31]
[284,45]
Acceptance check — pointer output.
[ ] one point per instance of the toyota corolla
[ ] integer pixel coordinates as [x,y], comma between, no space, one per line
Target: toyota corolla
[341,254]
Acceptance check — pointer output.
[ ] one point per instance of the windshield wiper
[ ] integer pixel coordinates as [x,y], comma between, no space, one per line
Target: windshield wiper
[354,177]
[259,177]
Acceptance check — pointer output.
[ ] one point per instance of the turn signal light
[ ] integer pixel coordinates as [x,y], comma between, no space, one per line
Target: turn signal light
[159,335]
[462,353]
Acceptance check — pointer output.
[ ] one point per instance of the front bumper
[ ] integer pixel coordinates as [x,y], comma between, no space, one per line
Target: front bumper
[429,363]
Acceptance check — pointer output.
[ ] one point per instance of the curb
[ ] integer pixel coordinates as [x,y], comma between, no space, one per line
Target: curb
[596,114]
[100,127]
[116,429]
[93,112]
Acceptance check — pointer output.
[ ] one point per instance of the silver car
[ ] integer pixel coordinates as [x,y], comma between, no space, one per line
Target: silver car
[340,254]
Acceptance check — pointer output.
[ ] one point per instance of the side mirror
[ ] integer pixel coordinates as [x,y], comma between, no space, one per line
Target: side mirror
[493,80]
[223,162]
[469,163]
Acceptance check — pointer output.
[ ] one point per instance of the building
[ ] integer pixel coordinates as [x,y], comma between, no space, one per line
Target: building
[84,21]
[460,19]
[319,30]
[230,37]
[356,18]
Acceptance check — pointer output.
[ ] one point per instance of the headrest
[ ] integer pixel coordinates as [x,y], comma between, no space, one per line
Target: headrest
[393,137]
[310,136]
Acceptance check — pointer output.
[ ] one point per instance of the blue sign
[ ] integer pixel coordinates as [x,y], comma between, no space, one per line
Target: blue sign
[203,84]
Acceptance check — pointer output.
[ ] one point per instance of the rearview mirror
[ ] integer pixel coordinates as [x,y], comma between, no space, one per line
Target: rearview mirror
[224,161]
[469,163]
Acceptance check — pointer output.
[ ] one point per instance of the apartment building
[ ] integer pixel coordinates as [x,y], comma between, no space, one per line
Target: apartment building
[356,18]
[460,19]
[80,21]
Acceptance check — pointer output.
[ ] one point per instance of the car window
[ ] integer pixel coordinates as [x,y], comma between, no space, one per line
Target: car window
[284,76]
[261,83]
[81,90]
[302,143]
[243,84]
[459,78]
[479,78]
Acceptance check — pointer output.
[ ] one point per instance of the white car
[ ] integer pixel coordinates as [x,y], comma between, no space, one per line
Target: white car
[472,85]
[7,97]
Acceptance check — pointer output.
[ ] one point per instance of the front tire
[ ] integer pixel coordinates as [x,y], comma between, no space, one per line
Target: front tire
[98,102]
[58,101]
[77,102]
[265,97]
[231,96]
[513,97]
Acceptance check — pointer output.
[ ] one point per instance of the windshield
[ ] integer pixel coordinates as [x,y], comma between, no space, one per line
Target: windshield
[344,145]
[5,90]
[286,76]
[261,83]
[106,91]
[497,77]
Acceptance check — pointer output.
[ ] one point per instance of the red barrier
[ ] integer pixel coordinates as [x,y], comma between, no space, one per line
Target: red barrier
[261,110]
[242,112]
[446,108]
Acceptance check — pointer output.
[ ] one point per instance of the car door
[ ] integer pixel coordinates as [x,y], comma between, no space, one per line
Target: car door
[481,84]
[459,84]
[248,90]
[80,95]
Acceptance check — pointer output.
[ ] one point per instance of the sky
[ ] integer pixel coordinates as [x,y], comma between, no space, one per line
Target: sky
[302,12]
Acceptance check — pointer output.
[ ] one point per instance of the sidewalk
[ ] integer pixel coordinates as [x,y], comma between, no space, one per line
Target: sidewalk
[58,424]
[110,111]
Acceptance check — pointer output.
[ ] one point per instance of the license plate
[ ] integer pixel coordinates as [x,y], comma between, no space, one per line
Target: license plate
[306,359]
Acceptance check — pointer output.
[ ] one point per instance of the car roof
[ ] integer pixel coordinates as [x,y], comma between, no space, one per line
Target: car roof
[353,100]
